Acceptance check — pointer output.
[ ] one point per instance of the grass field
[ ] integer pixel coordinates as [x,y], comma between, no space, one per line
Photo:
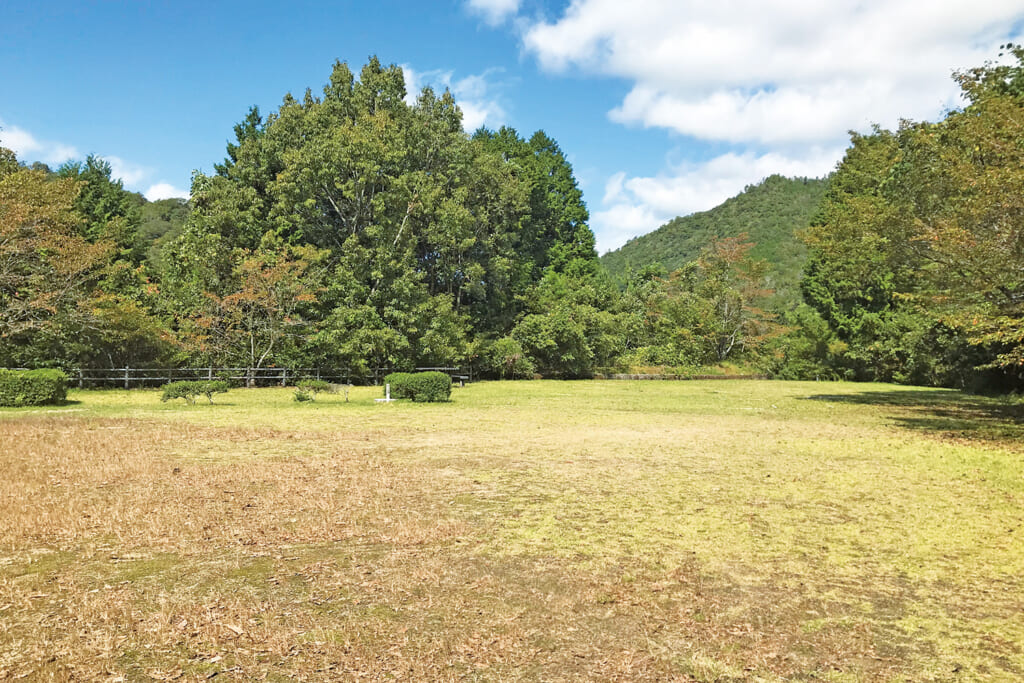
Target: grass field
[556,531]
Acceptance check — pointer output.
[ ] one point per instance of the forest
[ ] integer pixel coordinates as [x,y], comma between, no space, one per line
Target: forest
[350,229]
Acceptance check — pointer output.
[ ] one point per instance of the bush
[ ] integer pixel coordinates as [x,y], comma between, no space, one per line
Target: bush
[421,387]
[32,387]
[506,359]
[401,383]
[189,390]
[307,389]
[431,387]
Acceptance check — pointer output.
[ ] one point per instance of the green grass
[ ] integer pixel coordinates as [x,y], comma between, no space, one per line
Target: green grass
[539,530]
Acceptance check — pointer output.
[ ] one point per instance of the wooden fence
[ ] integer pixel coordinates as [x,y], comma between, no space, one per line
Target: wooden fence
[129,378]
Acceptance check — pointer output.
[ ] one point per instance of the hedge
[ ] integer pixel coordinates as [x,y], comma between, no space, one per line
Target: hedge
[421,387]
[400,384]
[32,387]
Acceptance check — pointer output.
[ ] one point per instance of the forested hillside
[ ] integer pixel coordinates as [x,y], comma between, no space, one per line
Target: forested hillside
[770,213]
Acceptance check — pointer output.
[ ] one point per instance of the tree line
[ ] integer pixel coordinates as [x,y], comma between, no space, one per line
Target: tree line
[353,229]
[917,254]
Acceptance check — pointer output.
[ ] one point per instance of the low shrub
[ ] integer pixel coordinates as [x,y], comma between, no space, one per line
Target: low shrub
[189,390]
[32,387]
[421,387]
[400,384]
[307,389]
[431,387]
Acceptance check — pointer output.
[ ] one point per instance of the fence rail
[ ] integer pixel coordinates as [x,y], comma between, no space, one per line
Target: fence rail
[128,378]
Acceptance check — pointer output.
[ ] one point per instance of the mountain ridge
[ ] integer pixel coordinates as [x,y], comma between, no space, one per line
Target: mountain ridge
[770,213]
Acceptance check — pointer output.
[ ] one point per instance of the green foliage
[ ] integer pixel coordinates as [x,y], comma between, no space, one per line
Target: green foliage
[350,229]
[109,212]
[506,358]
[915,258]
[307,389]
[428,239]
[160,223]
[314,386]
[72,290]
[32,387]
[770,214]
[430,387]
[705,313]
[555,235]
[265,310]
[568,328]
[421,387]
[48,271]
[807,350]
[189,390]
[400,383]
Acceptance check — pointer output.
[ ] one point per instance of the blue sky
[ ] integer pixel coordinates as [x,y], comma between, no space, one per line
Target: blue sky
[664,107]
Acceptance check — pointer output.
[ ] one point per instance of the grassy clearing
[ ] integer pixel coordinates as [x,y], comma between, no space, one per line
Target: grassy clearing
[526,531]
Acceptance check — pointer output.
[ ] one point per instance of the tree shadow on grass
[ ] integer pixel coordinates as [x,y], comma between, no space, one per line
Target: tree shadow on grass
[948,413]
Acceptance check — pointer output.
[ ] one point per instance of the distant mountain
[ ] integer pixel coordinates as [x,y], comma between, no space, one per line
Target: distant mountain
[770,213]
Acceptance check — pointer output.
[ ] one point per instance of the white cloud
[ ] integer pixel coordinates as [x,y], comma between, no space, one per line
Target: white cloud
[413,84]
[474,94]
[494,12]
[164,191]
[29,148]
[132,175]
[618,223]
[770,71]
[638,205]
[785,79]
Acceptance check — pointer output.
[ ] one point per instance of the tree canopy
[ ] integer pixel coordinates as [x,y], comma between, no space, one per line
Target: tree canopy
[430,240]
[917,257]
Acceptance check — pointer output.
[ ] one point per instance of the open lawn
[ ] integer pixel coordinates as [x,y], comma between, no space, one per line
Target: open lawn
[631,531]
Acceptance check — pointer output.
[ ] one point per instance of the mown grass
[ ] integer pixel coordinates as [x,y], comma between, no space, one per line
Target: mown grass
[525,531]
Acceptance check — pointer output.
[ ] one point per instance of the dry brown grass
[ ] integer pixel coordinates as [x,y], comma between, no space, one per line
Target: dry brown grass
[700,534]
[122,560]
[78,483]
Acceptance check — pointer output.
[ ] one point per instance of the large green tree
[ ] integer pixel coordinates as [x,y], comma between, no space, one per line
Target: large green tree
[108,211]
[47,269]
[918,254]
[432,239]
[707,312]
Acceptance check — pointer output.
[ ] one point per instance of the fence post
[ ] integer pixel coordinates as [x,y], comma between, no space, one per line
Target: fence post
[284,377]
[248,378]
[126,377]
[209,375]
